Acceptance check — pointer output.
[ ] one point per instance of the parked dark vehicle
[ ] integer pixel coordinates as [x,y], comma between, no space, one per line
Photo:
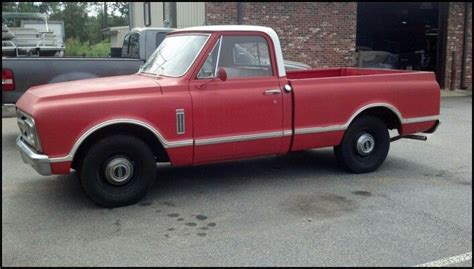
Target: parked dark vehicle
[21,73]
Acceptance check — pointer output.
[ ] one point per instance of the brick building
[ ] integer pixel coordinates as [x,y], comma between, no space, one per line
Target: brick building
[459,23]
[422,35]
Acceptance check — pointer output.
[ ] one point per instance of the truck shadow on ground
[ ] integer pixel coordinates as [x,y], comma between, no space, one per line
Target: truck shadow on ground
[315,163]
[183,181]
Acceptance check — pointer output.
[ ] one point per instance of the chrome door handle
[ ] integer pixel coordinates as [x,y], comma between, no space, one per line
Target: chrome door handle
[272,91]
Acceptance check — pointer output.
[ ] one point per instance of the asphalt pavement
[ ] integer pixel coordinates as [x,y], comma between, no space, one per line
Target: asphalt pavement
[293,210]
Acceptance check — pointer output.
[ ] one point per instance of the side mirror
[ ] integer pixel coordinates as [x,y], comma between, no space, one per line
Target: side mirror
[222,74]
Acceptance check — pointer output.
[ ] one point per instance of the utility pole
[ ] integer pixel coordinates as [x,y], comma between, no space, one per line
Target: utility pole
[104,20]
[173,16]
[105,15]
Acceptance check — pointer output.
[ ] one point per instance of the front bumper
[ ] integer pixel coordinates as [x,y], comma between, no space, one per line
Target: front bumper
[40,163]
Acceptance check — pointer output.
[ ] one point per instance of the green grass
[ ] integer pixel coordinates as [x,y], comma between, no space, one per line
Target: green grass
[75,47]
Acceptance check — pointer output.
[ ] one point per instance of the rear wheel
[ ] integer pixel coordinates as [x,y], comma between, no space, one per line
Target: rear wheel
[365,145]
[117,170]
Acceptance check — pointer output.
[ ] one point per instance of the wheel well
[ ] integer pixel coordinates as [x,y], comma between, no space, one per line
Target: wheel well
[124,128]
[386,115]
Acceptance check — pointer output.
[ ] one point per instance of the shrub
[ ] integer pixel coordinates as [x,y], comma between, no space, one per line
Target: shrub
[74,47]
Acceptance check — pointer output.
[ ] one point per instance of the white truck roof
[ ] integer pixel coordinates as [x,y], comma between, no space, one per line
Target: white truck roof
[267,30]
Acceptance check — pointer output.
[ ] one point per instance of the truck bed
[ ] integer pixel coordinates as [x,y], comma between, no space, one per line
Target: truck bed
[326,100]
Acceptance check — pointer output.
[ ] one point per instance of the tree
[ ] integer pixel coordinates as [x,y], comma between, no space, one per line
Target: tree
[82,20]
[75,17]
[27,7]
[120,9]
[49,8]
[9,6]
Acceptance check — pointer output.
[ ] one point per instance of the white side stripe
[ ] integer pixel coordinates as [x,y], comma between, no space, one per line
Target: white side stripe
[420,119]
[340,127]
[448,261]
[331,128]
[238,138]
[313,130]
[207,141]
[165,143]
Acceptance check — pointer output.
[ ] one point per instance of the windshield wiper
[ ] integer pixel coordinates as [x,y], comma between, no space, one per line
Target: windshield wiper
[145,72]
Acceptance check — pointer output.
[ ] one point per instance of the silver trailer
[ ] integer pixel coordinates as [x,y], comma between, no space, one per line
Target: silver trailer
[27,37]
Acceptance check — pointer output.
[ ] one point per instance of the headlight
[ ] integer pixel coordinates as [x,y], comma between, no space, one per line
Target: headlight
[28,131]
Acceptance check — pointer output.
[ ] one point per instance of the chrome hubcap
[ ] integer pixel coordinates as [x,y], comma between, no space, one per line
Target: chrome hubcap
[365,144]
[119,171]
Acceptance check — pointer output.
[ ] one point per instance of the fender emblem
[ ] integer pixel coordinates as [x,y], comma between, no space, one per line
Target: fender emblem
[180,124]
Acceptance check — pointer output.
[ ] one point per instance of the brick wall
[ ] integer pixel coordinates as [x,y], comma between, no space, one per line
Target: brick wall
[455,43]
[323,34]
[320,34]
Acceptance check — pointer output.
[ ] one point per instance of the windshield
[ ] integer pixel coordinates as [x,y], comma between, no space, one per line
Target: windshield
[175,55]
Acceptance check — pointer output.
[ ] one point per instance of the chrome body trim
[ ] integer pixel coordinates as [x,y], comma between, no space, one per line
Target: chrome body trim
[165,143]
[272,91]
[237,138]
[313,130]
[218,55]
[287,132]
[386,105]
[180,123]
[41,163]
[341,127]
[420,119]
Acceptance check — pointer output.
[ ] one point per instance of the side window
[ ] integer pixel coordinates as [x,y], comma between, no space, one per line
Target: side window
[134,51]
[159,38]
[251,54]
[245,56]
[126,44]
[208,69]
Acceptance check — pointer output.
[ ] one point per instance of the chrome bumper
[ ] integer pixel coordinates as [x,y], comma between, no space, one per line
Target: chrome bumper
[39,162]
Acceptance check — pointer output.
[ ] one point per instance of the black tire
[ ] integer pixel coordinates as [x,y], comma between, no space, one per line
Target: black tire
[124,151]
[365,158]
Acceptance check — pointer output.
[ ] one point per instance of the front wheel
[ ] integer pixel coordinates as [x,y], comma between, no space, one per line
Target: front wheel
[117,170]
[364,146]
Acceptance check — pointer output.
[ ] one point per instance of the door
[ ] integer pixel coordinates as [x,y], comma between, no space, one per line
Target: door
[243,115]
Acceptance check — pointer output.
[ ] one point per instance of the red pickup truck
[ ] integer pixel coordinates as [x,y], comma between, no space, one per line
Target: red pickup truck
[216,93]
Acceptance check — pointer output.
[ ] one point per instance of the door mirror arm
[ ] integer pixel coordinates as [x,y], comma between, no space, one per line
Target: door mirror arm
[221,74]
